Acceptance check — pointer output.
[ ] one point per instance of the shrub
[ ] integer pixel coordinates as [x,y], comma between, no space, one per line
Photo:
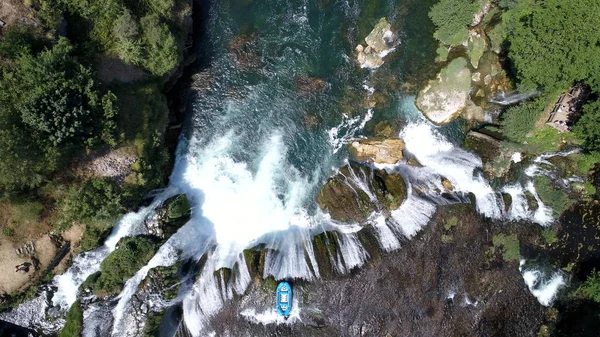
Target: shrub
[591,288]
[549,235]
[519,120]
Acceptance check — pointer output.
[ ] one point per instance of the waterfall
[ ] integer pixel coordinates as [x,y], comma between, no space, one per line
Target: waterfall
[513,98]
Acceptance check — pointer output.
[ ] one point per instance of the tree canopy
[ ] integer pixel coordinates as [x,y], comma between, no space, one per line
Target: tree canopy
[555,42]
[452,17]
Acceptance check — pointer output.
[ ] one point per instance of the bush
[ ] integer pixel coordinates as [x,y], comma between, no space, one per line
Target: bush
[451,17]
[74,325]
[591,288]
[132,254]
[519,120]
[95,200]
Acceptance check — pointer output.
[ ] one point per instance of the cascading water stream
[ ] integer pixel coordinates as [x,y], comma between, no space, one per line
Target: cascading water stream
[251,169]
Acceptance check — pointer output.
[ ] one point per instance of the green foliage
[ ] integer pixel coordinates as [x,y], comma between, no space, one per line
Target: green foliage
[17,40]
[519,120]
[132,254]
[553,197]
[137,31]
[179,208]
[74,325]
[451,17]
[58,98]
[591,287]
[452,222]
[509,245]
[587,128]
[97,203]
[554,42]
[160,46]
[549,235]
[95,199]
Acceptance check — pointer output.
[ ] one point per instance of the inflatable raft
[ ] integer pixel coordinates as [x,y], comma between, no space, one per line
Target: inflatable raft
[284,299]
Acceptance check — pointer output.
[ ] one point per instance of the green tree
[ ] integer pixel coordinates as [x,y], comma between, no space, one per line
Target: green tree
[517,121]
[161,49]
[555,42]
[587,128]
[452,17]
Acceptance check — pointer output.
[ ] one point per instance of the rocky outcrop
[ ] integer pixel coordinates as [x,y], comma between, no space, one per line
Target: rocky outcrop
[445,97]
[374,150]
[388,129]
[357,191]
[496,162]
[169,217]
[379,44]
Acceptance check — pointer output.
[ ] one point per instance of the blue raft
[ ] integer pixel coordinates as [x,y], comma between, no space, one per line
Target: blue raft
[284,299]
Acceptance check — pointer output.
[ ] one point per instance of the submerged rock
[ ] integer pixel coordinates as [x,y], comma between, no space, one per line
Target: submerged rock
[388,129]
[381,151]
[345,199]
[379,44]
[446,96]
[308,86]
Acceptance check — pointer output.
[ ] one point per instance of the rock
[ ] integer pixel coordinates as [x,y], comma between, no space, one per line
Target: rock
[245,51]
[413,162]
[309,86]
[388,129]
[487,79]
[476,46]
[445,97]
[345,200]
[485,8]
[473,112]
[169,217]
[381,151]
[496,162]
[310,121]
[447,185]
[476,77]
[377,99]
[379,43]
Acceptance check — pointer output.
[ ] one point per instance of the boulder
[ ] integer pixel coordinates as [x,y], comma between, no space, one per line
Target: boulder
[447,185]
[169,217]
[379,43]
[374,150]
[445,97]
[388,129]
[344,197]
[476,46]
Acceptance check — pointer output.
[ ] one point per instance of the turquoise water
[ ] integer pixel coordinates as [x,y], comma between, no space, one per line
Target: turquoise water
[288,40]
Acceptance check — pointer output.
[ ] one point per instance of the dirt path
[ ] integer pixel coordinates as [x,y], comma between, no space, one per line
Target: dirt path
[44,251]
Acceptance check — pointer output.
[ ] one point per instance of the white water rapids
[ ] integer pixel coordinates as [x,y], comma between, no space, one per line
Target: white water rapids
[235,209]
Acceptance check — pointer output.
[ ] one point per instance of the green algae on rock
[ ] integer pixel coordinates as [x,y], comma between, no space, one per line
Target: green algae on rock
[445,97]
[345,200]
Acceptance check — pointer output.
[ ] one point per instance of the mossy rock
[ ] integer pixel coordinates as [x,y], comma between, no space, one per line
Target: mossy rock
[255,261]
[509,245]
[346,201]
[325,247]
[343,199]
[507,198]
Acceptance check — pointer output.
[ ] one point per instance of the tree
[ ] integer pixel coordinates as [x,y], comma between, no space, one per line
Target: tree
[452,17]
[591,287]
[162,52]
[555,42]
[587,128]
[56,96]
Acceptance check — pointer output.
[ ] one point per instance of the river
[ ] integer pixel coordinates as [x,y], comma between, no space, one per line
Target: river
[262,137]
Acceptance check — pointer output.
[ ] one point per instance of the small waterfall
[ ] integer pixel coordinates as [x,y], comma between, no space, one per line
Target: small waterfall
[542,285]
[513,98]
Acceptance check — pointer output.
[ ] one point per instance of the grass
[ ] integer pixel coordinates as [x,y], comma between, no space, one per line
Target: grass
[509,245]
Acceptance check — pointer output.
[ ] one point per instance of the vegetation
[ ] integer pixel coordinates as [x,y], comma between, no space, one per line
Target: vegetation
[591,287]
[509,245]
[588,126]
[554,43]
[519,120]
[549,235]
[74,325]
[451,18]
[553,197]
[132,254]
